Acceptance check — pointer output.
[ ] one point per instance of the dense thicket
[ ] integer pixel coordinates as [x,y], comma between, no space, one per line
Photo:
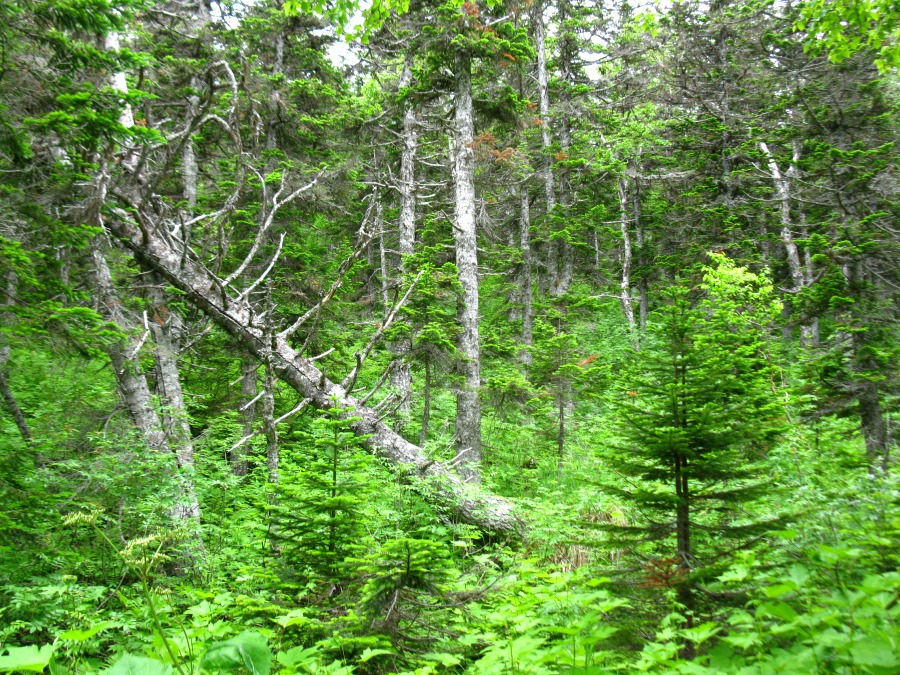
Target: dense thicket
[542,337]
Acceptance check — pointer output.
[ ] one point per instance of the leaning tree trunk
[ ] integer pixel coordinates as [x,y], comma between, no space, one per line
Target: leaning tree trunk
[468,402]
[205,292]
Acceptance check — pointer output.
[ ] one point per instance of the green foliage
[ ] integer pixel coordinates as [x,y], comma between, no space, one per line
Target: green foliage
[317,515]
[247,651]
[847,27]
[696,415]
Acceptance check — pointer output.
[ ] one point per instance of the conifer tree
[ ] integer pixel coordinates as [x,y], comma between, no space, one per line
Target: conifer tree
[694,417]
[322,491]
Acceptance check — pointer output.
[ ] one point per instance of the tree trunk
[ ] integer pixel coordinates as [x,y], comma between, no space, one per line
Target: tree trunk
[166,328]
[136,393]
[526,277]
[401,375]
[205,292]
[783,194]
[537,18]
[10,400]
[468,402]
[625,283]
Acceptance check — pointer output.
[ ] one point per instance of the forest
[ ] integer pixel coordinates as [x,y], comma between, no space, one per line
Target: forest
[444,336]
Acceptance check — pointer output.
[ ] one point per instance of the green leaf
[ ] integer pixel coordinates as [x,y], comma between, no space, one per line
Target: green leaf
[875,650]
[369,653]
[82,635]
[247,650]
[138,665]
[32,658]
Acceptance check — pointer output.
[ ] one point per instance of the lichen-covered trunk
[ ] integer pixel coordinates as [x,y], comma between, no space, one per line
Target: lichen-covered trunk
[468,401]
[526,277]
[401,375]
[537,18]
[625,282]
[167,330]
[782,183]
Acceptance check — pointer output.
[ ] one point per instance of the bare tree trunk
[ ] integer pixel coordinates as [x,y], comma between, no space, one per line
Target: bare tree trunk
[526,278]
[206,293]
[10,400]
[468,402]
[643,289]
[566,250]
[625,284]
[537,17]
[812,338]
[135,391]
[166,328]
[401,375]
[783,193]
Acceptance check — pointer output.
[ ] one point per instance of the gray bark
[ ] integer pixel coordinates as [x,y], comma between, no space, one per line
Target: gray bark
[526,278]
[782,183]
[167,329]
[401,375]
[205,292]
[10,399]
[468,402]
[625,283]
[136,393]
[537,18]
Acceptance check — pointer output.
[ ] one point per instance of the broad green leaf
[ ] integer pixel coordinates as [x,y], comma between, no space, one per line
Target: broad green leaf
[247,650]
[701,633]
[298,656]
[32,658]
[138,665]
[82,635]
[875,650]
[369,653]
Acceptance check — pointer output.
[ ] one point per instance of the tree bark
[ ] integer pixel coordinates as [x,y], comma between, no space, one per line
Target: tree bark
[136,393]
[546,141]
[10,399]
[526,278]
[468,402]
[625,283]
[492,514]
[782,183]
[166,328]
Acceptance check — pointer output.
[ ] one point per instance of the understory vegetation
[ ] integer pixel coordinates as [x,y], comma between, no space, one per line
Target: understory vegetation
[542,338]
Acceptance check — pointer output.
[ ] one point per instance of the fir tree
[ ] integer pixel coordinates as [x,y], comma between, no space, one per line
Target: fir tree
[324,486]
[694,418]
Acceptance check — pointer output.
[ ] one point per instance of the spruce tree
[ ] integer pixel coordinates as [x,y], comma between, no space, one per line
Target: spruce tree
[695,415]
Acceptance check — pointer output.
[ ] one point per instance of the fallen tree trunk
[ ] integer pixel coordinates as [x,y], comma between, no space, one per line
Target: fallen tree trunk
[205,291]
